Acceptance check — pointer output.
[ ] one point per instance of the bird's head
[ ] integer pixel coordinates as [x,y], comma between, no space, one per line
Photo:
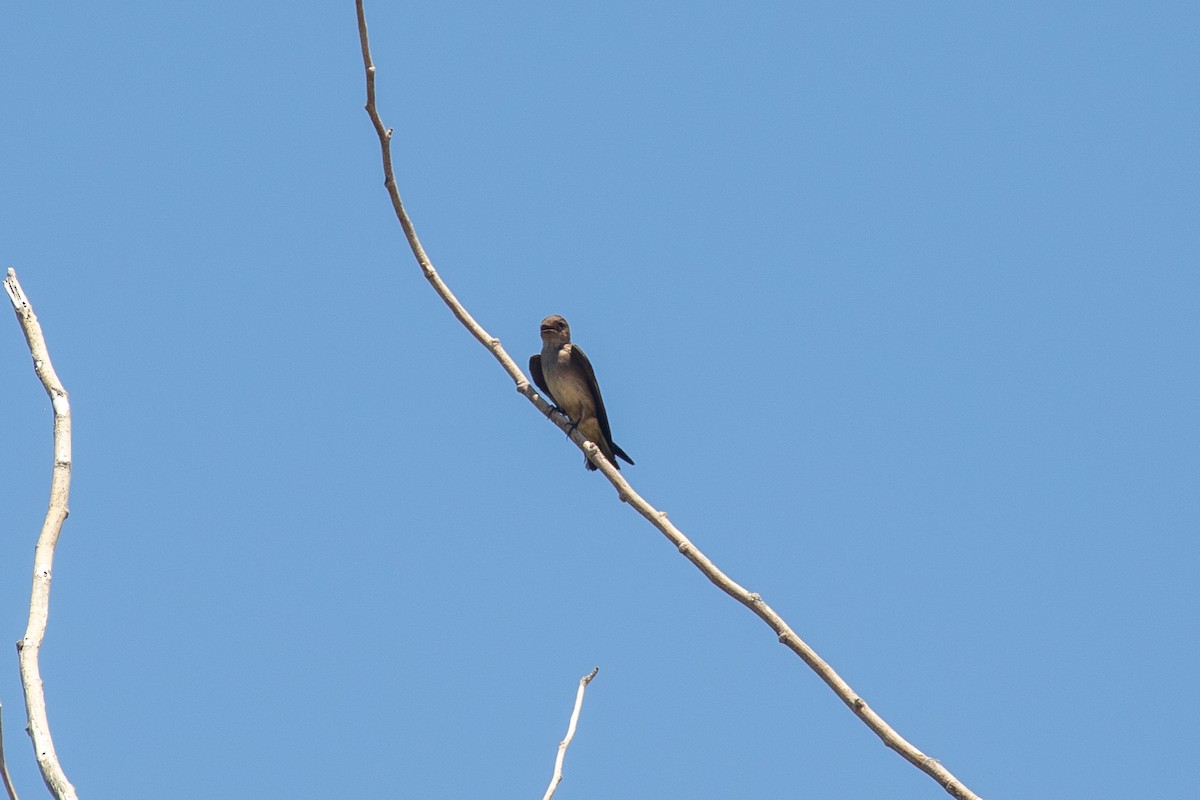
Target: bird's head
[555,331]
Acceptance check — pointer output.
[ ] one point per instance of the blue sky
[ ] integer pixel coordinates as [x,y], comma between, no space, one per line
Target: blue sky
[895,306]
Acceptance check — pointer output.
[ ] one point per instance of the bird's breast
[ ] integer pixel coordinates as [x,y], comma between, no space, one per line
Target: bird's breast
[568,384]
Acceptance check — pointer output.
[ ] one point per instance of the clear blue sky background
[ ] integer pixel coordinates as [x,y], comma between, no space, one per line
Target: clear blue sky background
[895,305]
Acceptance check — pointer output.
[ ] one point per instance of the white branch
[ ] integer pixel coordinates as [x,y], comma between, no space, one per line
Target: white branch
[562,746]
[43,558]
[753,601]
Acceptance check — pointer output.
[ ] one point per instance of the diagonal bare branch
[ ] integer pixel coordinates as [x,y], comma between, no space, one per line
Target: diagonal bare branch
[658,519]
[4,776]
[43,558]
[566,742]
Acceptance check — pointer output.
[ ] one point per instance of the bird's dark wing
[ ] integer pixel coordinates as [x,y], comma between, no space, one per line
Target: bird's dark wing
[535,372]
[578,358]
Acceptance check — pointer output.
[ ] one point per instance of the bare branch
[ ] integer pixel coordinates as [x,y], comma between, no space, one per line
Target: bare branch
[562,746]
[389,181]
[8,784]
[43,558]
[753,601]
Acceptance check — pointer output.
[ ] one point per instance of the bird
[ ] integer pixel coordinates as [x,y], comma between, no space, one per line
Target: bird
[566,376]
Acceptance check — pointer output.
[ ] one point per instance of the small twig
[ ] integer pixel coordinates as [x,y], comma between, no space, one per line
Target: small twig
[562,746]
[625,492]
[8,784]
[43,558]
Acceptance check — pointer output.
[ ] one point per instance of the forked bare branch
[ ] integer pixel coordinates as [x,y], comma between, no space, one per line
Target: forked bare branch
[658,519]
[43,557]
[556,779]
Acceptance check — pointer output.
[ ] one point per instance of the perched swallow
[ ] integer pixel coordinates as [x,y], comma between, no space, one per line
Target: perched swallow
[566,377]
